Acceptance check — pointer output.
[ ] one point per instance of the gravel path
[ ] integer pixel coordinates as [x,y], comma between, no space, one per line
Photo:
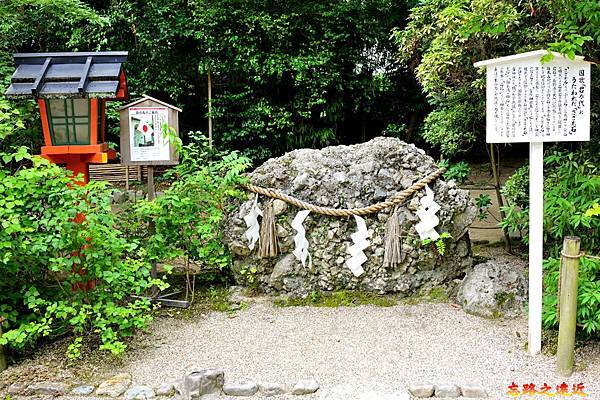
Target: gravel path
[354,351]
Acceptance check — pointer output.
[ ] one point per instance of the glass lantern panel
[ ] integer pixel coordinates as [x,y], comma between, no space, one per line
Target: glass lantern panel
[69,121]
[61,136]
[82,134]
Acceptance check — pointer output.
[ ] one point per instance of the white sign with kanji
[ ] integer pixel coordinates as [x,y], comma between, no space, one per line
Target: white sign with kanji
[530,101]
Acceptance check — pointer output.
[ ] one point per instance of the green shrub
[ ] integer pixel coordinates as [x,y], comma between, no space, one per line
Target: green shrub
[187,216]
[571,188]
[588,298]
[48,259]
[459,172]
[571,196]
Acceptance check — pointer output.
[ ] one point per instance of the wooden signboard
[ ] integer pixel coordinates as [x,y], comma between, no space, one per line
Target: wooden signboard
[143,141]
[535,102]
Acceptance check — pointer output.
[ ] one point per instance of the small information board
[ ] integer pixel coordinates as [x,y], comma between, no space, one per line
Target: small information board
[143,139]
[534,102]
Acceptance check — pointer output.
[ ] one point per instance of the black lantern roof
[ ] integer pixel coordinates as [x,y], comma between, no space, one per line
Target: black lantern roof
[68,75]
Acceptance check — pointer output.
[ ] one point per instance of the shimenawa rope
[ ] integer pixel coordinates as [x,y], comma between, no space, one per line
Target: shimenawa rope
[347,212]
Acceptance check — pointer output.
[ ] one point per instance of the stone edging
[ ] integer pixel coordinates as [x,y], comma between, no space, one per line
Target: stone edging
[426,390]
[197,382]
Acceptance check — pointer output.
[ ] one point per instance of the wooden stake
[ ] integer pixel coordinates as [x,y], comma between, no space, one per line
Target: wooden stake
[536,244]
[127,178]
[151,225]
[3,362]
[568,306]
[210,132]
[151,190]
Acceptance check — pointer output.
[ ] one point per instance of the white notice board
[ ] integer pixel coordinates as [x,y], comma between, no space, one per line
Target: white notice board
[527,101]
[146,137]
[535,102]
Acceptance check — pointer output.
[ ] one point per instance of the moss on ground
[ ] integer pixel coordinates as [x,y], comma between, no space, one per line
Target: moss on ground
[342,298]
[436,294]
[205,300]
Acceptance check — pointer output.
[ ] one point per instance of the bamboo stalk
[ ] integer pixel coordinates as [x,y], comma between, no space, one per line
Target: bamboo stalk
[568,306]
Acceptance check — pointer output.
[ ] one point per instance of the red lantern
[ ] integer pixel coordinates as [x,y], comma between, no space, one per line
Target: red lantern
[72,90]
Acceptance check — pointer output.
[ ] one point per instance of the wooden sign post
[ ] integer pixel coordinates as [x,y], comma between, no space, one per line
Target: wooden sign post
[143,142]
[534,102]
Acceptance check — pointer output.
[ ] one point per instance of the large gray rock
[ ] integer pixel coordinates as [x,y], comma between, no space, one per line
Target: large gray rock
[494,289]
[347,177]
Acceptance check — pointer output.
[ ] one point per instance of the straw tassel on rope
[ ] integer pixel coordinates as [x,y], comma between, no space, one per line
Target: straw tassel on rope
[268,233]
[393,240]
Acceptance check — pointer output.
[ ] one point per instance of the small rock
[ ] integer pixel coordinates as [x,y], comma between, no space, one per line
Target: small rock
[17,388]
[305,386]
[114,386]
[421,390]
[240,389]
[473,391]
[279,207]
[272,389]
[83,390]
[166,389]
[202,382]
[47,388]
[447,390]
[139,393]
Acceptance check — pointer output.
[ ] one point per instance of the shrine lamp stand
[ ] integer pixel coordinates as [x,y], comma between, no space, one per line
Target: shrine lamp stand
[71,90]
[530,101]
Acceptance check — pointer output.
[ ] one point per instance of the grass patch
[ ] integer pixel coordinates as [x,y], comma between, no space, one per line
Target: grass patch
[342,298]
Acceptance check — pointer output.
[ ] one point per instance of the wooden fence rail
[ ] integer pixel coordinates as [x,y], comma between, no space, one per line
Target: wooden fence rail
[117,173]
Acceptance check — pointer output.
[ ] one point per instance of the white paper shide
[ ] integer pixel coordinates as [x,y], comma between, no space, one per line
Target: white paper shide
[301,251]
[360,242]
[427,215]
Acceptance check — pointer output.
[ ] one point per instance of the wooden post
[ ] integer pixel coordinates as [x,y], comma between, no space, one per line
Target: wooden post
[3,362]
[210,133]
[151,226]
[568,305]
[127,178]
[536,244]
[507,245]
[151,190]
